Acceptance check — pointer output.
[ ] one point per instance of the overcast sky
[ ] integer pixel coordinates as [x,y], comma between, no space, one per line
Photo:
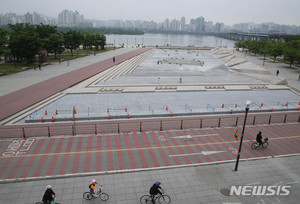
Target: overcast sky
[227,11]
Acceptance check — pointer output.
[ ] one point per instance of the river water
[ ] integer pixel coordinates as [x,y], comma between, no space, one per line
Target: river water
[150,39]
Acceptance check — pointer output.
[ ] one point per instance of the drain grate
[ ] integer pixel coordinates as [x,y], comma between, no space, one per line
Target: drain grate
[225,191]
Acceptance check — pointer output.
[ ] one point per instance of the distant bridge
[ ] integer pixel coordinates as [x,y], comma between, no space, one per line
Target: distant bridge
[250,36]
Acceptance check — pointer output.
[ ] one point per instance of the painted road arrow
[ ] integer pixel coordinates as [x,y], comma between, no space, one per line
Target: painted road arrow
[203,153]
[189,136]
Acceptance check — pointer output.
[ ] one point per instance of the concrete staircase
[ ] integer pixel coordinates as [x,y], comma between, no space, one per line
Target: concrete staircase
[123,68]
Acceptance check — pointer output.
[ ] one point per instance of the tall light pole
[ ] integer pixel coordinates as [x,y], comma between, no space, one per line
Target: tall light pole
[241,141]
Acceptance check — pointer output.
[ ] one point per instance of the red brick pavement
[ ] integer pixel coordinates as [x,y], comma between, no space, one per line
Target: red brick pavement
[14,102]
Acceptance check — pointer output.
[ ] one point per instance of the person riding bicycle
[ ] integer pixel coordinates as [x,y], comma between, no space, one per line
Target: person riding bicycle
[49,195]
[154,190]
[92,187]
[259,138]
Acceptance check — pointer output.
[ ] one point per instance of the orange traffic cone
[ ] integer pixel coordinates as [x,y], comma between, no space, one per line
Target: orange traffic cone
[167,108]
[171,114]
[73,119]
[107,110]
[56,112]
[222,105]
[231,112]
[42,120]
[272,110]
[108,117]
[46,112]
[74,110]
[53,119]
[128,116]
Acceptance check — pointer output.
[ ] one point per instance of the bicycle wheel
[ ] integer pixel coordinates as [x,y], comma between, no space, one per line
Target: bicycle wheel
[104,196]
[265,145]
[145,199]
[164,199]
[87,196]
[254,145]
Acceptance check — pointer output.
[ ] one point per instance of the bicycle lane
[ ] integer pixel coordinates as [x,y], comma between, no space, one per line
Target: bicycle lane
[279,139]
[58,155]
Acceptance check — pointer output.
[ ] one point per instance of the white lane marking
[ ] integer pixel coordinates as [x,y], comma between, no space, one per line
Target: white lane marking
[190,136]
[203,153]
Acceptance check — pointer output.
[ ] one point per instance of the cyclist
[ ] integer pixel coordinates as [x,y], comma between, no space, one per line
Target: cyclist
[154,190]
[92,187]
[259,138]
[49,195]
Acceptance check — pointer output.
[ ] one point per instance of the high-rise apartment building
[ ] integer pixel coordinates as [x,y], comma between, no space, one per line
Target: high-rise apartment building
[70,19]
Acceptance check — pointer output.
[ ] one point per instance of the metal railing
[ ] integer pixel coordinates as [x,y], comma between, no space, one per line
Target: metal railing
[146,124]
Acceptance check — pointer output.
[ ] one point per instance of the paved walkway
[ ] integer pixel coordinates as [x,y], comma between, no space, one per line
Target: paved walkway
[60,156]
[190,185]
[15,82]
[291,74]
[201,184]
[14,102]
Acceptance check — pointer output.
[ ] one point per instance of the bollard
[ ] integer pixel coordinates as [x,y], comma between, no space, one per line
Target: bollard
[95,129]
[23,130]
[141,127]
[73,133]
[201,123]
[270,119]
[237,121]
[219,122]
[254,120]
[284,121]
[118,127]
[161,126]
[181,125]
[48,131]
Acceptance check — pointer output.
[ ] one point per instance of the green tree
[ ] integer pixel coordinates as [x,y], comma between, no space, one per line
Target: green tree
[72,40]
[292,51]
[99,40]
[24,41]
[88,39]
[276,49]
[45,31]
[3,41]
[55,43]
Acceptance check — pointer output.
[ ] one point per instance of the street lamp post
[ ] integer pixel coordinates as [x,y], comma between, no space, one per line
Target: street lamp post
[241,141]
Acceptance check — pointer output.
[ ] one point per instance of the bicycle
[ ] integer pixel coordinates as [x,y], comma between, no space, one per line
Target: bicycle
[162,199]
[47,203]
[264,144]
[103,196]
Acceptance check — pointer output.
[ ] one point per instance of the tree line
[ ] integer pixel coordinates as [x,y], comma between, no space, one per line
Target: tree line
[290,50]
[24,41]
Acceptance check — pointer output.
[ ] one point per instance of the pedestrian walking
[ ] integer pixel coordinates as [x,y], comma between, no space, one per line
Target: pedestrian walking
[40,67]
[277,72]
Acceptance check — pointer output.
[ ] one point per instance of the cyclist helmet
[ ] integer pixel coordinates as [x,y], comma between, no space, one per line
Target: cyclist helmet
[48,187]
[94,180]
[157,183]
